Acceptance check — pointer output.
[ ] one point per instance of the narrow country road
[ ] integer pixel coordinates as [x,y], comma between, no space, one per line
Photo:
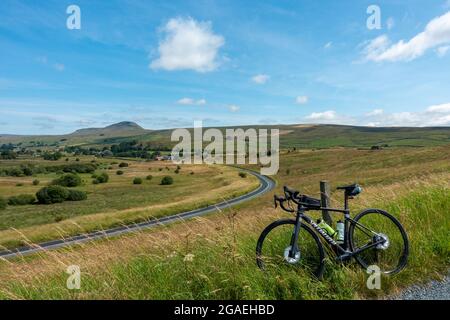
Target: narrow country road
[266,185]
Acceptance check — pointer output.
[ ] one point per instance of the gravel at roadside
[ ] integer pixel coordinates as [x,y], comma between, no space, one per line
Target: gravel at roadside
[434,290]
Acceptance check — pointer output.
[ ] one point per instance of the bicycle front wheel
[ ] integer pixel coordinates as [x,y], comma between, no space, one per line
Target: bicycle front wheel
[274,245]
[377,226]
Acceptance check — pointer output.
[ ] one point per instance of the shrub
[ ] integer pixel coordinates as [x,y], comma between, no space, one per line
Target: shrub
[137,181]
[95,181]
[52,194]
[149,177]
[36,182]
[52,156]
[8,155]
[102,177]
[27,171]
[3,203]
[192,172]
[19,184]
[123,165]
[119,172]
[77,159]
[160,169]
[242,174]
[79,168]
[68,180]
[76,195]
[21,200]
[167,180]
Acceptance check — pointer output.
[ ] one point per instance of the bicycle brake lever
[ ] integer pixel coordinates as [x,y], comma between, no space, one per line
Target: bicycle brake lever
[275,201]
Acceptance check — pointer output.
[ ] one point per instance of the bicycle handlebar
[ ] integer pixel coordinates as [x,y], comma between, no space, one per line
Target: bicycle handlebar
[281,201]
[290,194]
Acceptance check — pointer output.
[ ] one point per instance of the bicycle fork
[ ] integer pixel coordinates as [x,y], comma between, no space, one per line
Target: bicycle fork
[294,239]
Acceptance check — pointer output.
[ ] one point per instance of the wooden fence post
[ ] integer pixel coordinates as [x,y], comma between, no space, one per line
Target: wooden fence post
[325,198]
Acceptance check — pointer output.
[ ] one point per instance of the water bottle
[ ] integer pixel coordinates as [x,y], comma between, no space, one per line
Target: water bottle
[329,230]
[340,230]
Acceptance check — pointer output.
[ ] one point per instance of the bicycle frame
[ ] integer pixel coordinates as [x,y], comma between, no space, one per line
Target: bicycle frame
[345,249]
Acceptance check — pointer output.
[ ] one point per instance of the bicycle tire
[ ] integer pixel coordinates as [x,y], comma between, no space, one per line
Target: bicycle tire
[402,259]
[318,272]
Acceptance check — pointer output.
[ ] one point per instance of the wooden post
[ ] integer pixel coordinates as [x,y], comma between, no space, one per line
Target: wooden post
[325,198]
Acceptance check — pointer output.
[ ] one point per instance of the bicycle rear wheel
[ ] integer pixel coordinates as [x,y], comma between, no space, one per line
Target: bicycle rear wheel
[272,250]
[371,226]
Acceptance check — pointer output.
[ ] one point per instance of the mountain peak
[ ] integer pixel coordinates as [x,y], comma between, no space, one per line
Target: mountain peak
[125,125]
[117,129]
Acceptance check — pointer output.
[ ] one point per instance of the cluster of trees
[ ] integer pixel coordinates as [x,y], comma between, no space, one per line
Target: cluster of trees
[131,149]
[52,156]
[29,169]
[7,151]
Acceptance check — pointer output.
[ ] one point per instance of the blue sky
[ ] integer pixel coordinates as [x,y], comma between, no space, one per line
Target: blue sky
[165,64]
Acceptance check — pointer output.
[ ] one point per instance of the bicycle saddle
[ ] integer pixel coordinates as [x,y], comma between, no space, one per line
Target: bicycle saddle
[351,190]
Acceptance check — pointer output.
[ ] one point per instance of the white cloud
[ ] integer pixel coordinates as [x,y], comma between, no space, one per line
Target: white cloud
[390,23]
[260,78]
[59,67]
[188,45]
[328,45]
[436,115]
[436,33]
[301,100]
[190,101]
[375,112]
[233,108]
[326,115]
[440,108]
[442,51]
[432,116]
[201,102]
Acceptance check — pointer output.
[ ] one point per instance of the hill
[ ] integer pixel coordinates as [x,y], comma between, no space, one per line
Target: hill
[297,135]
[81,136]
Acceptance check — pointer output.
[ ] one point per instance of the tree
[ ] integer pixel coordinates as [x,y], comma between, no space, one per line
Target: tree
[167,180]
[8,155]
[52,194]
[68,180]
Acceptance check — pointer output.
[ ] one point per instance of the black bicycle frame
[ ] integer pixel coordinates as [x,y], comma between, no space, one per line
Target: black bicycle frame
[345,249]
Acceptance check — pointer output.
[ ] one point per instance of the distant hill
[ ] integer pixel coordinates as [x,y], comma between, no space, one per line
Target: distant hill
[118,129]
[297,135]
[81,136]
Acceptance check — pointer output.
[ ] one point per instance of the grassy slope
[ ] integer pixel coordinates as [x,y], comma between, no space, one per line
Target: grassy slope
[214,257]
[116,202]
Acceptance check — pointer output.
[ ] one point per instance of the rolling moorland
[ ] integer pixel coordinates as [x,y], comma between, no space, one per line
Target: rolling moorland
[213,256]
[298,136]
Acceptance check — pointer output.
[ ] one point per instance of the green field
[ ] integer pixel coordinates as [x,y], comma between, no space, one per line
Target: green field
[213,257]
[116,202]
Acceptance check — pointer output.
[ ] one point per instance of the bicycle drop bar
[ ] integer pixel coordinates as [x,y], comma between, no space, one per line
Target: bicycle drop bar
[281,200]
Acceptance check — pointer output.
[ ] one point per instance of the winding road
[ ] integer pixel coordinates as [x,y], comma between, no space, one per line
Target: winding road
[266,185]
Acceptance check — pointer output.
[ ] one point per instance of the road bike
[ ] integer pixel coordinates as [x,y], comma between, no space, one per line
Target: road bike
[374,237]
